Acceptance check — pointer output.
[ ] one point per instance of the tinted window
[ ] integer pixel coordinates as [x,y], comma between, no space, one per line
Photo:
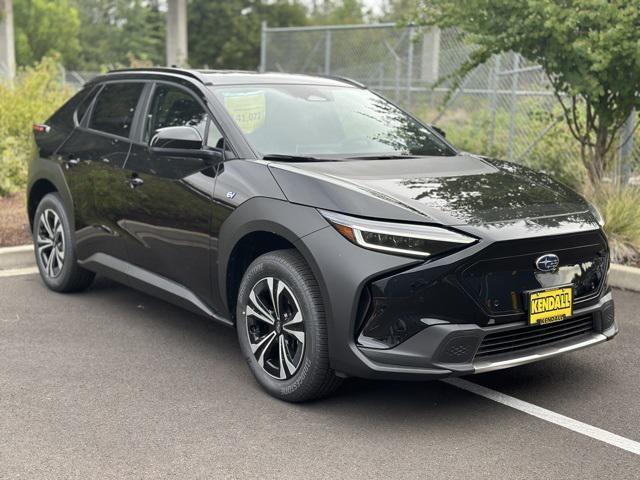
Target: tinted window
[173,107]
[114,108]
[84,106]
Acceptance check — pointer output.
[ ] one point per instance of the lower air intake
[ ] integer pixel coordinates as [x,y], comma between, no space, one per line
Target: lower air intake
[523,338]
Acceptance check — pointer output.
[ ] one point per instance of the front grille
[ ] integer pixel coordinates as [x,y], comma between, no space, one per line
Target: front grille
[534,336]
[498,282]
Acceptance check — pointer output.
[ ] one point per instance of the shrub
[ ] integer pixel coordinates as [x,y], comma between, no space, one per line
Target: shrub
[31,98]
[619,207]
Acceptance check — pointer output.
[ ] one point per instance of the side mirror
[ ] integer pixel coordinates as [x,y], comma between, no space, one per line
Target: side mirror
[176,137]
[183,142]
[439,131]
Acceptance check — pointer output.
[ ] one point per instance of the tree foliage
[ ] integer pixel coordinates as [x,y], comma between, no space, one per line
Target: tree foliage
[339,12]
[227,34]
[44,27]
[32,99]
[100,34]
[590,50]
[115,32]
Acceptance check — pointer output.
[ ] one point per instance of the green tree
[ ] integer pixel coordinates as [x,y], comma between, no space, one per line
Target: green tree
[339,12]
[398,10]
[227,34]
[117,32]
[45,27]
[588,48]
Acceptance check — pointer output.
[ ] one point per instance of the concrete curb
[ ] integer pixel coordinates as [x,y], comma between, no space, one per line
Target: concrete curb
[622,276]
[16,257]
[11,258]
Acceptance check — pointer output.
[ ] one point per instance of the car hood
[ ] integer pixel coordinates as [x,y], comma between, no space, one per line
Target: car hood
[456,190]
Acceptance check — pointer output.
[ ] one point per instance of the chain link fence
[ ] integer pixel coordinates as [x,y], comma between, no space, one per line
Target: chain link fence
[504,108]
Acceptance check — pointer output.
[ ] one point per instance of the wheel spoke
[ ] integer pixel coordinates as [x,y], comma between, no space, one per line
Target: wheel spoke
[46,225]
[284,355]
[279,290]
[44,243]
[56,223]
[297,318]
[50,263]
[257,309]
[282,371]
[272,293]
[266,344]
[294,333]
[59,234]
[268,338]
[59,257]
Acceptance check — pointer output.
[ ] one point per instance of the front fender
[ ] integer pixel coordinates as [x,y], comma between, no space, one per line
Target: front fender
[259,214]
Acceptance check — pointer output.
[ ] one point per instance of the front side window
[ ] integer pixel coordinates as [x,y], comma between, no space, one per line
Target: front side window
[317,120]
[173,107]
[114,108]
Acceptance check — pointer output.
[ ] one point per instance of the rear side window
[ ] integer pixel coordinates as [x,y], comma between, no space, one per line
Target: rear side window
[114,108]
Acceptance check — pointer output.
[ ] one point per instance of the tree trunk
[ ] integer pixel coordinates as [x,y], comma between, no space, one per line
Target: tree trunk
[596,158]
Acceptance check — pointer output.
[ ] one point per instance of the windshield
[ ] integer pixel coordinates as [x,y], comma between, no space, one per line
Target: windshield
[334,121]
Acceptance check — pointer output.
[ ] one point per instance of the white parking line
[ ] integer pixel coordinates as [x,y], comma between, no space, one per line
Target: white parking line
[547,415]
[14,272]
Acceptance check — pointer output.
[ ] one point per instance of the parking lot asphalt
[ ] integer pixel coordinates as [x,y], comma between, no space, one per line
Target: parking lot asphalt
[112,383]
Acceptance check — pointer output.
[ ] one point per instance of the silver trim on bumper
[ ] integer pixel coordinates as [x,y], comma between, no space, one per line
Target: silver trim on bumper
[546,352]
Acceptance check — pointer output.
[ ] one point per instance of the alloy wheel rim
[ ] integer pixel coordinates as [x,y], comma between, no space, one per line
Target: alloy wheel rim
[50,243]
[275,328]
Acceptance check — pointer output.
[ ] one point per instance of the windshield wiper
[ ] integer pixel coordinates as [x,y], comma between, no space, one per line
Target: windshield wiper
[295,158]
[381,157]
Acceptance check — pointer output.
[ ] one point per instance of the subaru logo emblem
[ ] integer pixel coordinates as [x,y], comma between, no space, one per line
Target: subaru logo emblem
[548,262]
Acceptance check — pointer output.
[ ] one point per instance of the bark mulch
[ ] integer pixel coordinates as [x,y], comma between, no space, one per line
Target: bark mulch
[14,224]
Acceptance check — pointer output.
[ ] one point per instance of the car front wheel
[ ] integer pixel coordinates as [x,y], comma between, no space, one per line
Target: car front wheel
[282,329]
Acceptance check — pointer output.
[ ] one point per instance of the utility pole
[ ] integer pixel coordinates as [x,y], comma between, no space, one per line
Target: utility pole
[176,39]
[7,43]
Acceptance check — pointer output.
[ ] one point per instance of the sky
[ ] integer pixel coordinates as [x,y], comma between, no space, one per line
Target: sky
[374,5]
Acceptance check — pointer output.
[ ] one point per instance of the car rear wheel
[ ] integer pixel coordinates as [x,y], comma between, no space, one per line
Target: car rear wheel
[282,329]
[55,250]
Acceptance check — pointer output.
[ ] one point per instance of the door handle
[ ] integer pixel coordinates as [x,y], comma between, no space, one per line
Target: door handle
[135,182]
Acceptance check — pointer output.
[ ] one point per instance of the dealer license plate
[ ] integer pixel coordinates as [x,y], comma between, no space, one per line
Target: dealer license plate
[550,305]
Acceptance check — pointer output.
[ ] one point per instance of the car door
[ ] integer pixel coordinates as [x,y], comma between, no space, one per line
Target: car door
[169,219]
[62,139]
[93,157]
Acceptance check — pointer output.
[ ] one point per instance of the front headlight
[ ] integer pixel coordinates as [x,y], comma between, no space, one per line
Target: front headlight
[596,214]
[397,238]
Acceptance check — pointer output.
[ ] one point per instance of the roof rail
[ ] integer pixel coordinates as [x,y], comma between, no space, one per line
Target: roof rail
[348,80]
[175,70]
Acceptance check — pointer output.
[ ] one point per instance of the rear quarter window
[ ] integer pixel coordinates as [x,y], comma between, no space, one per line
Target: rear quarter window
[84,105]
[62,123]
[115,107]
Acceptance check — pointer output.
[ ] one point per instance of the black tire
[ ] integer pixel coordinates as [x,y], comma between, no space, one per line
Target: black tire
[313,377]
[62,274]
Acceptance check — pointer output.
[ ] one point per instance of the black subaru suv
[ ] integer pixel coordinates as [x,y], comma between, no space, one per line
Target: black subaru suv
[337,233]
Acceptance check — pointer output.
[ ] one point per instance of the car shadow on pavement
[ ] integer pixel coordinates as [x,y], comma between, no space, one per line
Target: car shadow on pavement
[390,400]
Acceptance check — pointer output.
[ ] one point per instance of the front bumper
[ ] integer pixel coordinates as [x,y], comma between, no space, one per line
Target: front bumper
[430,348]
[456,321]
